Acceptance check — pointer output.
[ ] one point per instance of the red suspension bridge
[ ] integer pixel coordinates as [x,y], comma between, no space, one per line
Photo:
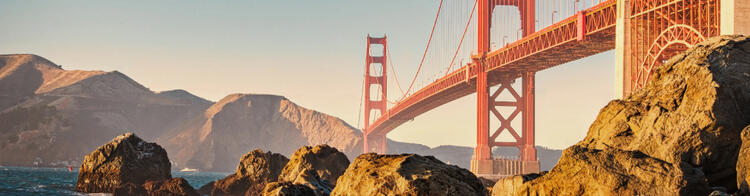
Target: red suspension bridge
[485,43]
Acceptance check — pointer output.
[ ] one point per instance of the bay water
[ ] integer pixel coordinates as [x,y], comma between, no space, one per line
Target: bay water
[60,181]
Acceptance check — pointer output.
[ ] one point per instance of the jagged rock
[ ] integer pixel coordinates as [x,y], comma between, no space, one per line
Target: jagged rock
[126,159]
[256,169]
[678,135]
[510,185]
[261,166]
[317,167]
[406,174]
[174,186]
[312,180]
[287,189]
[743,163]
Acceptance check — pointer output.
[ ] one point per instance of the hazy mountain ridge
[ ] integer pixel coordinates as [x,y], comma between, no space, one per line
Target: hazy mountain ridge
[56,116]
[71,112]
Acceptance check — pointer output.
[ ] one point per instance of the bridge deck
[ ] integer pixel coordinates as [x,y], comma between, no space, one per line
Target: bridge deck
[552,46]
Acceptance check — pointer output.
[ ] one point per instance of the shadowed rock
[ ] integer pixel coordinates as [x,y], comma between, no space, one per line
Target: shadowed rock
[126,159]
[130,189]
[287,189]
[406,174]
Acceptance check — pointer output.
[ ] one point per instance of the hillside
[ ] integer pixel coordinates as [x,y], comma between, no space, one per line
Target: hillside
[53,116]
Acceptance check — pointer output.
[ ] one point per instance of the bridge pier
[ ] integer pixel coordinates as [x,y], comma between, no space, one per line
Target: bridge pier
[374,143]
[482,162]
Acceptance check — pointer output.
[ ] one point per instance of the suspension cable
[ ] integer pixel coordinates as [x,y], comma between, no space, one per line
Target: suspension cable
[393,71]
[429,41]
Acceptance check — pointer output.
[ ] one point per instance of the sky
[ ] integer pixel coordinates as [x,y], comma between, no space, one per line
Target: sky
[311,52]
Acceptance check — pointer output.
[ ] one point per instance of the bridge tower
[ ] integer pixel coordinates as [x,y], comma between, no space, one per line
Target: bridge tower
[375,79]
[649,33]
[482,162]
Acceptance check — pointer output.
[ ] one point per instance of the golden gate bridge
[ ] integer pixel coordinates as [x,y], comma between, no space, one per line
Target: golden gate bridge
[475,45]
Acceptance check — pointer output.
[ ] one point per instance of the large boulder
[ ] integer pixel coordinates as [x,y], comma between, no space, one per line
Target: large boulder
[256,169]
[680,134]
[126,159]
[406,174]
[317,167]
[743,163]
[612,171]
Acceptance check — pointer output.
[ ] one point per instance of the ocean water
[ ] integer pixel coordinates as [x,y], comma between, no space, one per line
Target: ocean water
[60,181]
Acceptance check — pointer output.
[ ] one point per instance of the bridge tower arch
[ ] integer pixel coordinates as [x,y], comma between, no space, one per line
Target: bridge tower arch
[650,32]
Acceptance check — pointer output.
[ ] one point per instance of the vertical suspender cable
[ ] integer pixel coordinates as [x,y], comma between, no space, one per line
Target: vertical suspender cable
[429,41]
[462,37]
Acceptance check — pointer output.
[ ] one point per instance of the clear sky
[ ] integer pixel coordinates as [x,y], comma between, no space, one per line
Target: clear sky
[312,52]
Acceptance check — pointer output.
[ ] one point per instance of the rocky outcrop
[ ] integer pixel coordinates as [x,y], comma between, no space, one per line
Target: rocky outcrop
[326,162]
[743,163]
[609,171]
[126,159]
[255,170]
[406,174]
[261,166]
[287,189]
[510,185]
[678,135]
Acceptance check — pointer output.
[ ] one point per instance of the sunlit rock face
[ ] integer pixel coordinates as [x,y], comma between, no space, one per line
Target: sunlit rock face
[406,174]
[255,170]
[126,159]
[316,167]
[678,135]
